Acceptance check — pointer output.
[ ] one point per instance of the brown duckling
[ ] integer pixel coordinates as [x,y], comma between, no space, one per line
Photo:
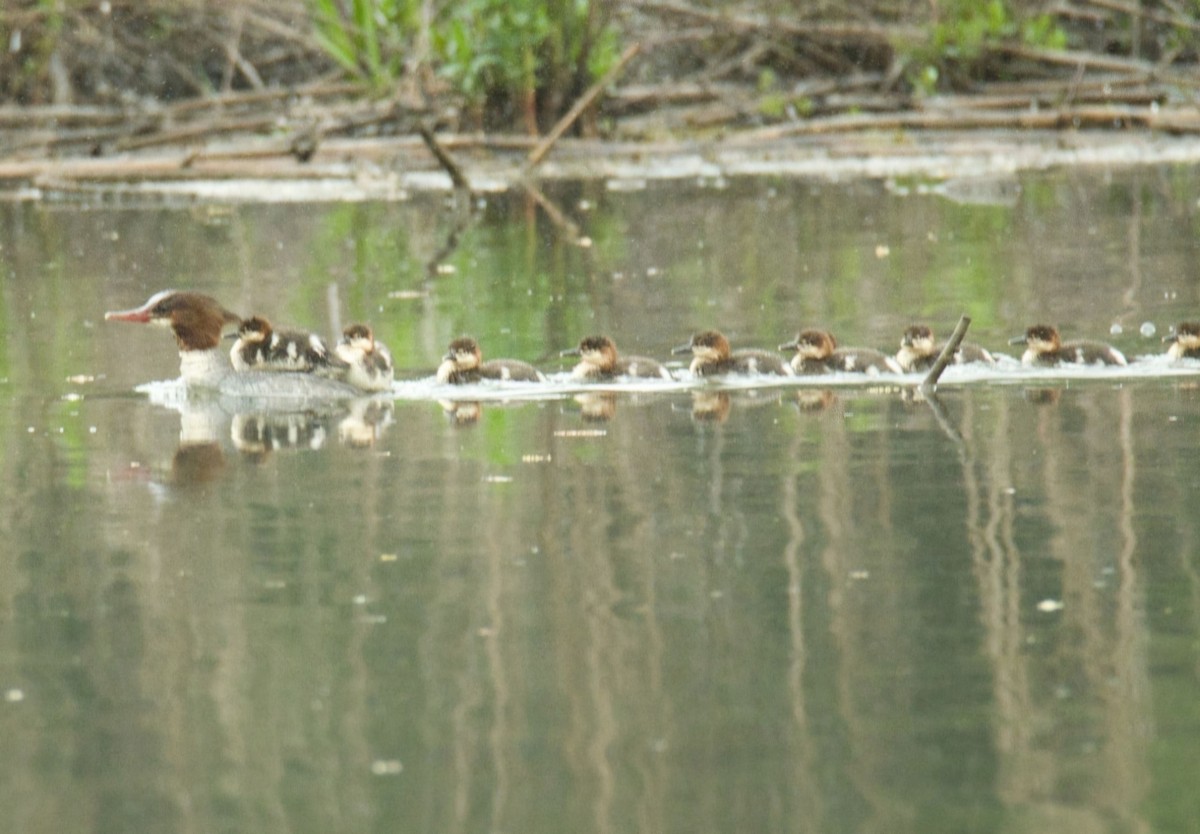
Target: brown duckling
[712,356]
[1044,347]
[598,359]
[463,363]
[817,353]
[919,350]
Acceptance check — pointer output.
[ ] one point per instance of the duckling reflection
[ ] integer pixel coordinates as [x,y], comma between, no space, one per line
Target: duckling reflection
[814,402]
[711,406]
[597,406]
[1043,396]
[258,434]
[366,423]
[460,413]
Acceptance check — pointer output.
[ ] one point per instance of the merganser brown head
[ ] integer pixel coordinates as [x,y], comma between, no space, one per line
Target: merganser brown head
[196,319]
[812,344]
[706,346]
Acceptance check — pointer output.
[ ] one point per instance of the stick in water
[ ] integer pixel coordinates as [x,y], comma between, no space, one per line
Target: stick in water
[947,353]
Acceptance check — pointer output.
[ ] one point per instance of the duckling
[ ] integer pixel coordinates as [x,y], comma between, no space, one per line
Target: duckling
[711,356]
[369,361]
[463,363]
[918,351]
[599,360]
[1044,347]
[260,347]
[1185,341]
[817,353]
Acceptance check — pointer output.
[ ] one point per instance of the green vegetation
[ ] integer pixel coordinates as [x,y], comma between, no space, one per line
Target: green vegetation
[503,56]
[957,47]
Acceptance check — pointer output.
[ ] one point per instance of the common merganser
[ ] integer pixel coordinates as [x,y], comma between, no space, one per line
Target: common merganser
[711,356]
[260,347]
[817,353]
[370,361]
[1044,347]
[919,350]
[197,321]
[598,359]
[463,363]
[1185,341]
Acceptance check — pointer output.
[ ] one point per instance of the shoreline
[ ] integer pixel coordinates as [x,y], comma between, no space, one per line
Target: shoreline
[265,170]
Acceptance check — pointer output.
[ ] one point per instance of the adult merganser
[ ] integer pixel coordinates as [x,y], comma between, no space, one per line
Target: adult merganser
[1185,341]
[1044,347]
[370,361]
[711,356]
[598,359]
[918,351]
[463,363]
[197,321]
[260,347]
[817,353]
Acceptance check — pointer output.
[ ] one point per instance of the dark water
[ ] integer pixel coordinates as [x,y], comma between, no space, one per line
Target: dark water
[785,611]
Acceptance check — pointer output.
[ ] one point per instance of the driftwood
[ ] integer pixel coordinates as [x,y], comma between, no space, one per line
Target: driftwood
[754,24]
[1108,117]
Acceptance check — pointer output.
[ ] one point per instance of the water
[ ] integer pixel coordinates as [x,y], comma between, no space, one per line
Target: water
[784,609]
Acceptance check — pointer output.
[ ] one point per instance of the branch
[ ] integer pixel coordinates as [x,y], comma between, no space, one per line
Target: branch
[543,147]
[947,354]
[445,160]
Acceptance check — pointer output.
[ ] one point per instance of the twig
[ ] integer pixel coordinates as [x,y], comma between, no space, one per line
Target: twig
[947,354]
[543,147]
[444,159]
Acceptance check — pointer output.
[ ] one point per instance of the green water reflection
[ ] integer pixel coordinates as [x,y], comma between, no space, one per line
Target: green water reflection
[815,611]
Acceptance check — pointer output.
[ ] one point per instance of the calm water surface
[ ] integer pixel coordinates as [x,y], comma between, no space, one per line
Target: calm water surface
[781,611]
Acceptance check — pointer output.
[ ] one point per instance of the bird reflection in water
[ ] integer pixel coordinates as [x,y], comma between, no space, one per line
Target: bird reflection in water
[461,414]
[256,434]
[711,406]
[1043,396]
[366,423]
[812,402]
[195,464]
[597,406]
